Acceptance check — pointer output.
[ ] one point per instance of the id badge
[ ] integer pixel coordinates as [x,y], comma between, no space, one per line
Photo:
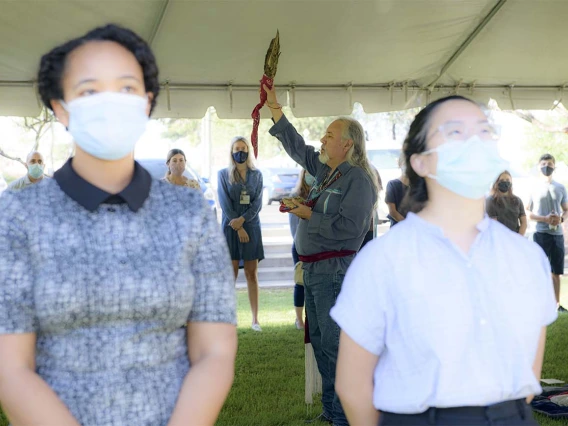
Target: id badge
[245,198]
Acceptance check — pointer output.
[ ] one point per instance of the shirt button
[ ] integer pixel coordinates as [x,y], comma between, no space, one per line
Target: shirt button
[123,262]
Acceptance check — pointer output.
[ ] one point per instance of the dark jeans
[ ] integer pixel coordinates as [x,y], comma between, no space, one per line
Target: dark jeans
[512,413]
[321,293]
[299,296]
[295,256]
[298,289]
[368,238]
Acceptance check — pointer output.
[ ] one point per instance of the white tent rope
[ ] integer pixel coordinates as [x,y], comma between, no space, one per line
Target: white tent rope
[36,92]
[293,95]
[458,86]
[168,96]
[560,97]
[511,97]
[231,96]
[472,87]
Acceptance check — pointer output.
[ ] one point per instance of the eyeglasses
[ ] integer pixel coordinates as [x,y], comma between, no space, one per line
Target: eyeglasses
[455,131]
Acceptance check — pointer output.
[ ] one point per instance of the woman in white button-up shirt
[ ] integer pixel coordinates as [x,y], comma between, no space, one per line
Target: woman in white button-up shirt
[443,318]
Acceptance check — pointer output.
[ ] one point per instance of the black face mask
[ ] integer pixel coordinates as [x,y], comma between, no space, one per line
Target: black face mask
[240,156]
[504,186]
[547,171]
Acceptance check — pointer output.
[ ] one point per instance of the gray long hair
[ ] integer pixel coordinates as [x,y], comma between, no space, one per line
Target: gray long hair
[234,175]
[357,154]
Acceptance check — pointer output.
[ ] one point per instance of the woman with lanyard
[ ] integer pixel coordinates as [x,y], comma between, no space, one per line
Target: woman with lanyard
[240,196]
[444,318]
[176,167]
[118,306]
[504,206]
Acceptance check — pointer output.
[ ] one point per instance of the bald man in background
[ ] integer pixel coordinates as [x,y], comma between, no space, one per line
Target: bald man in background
[36,165]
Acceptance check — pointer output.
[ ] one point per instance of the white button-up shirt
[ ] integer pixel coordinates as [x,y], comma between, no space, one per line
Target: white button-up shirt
[450,329]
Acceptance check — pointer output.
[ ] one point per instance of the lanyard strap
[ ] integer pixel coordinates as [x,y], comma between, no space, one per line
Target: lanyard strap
[317,191]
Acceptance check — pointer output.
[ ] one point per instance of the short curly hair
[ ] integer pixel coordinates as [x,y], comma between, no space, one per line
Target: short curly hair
[52,64]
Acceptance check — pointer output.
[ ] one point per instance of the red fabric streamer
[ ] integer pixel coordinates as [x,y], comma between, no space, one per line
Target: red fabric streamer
[256,113]
[326,255]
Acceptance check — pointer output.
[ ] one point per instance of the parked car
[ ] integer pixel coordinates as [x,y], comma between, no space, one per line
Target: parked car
[157,168]
[278,183]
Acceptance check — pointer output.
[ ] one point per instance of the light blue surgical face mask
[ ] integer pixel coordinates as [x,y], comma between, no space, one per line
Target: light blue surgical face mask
[309,179]
[468,168]
[107,125]
[35,171]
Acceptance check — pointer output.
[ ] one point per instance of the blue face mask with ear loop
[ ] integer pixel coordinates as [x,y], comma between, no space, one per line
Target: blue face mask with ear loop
[107,125]
[468,168]
[240,157]
[35,171]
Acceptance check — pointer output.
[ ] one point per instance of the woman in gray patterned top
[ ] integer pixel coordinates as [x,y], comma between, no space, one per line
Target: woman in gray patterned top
[98,281]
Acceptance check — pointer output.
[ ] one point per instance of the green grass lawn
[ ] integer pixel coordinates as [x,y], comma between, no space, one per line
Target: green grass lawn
[269,380]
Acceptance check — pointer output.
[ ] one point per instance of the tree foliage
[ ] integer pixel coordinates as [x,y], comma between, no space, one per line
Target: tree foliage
[37,127]
[547,133]
[177,129]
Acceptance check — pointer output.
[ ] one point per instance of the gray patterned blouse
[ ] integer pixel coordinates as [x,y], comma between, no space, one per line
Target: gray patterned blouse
[107,293]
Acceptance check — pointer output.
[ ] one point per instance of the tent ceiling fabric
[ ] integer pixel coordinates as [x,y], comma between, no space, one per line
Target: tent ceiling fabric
[382,53]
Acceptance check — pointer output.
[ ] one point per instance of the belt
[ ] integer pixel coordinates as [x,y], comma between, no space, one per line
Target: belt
[326,255]
[501,410]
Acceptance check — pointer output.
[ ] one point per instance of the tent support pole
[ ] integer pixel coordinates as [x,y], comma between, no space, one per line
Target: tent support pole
[159,22]
[468,41]
[294,86]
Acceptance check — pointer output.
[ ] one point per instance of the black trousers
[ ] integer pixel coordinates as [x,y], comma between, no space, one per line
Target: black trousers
[512,413]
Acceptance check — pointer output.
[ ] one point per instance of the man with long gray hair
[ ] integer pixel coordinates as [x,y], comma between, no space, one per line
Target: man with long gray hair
[335,219]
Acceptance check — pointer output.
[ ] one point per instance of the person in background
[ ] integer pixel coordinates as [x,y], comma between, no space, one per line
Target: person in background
[396,191]
[443,319]
[240,196]
[35,165]
[374,216]
[176,167]
[505,207]
[305,183]
[548,207]
[117,300]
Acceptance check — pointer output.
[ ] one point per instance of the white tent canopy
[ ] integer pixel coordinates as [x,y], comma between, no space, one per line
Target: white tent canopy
[385,54]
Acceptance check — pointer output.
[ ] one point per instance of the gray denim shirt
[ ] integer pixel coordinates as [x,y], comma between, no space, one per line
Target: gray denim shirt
[342,215]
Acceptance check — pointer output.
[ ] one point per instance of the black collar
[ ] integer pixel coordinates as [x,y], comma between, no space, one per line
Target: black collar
[91,197]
